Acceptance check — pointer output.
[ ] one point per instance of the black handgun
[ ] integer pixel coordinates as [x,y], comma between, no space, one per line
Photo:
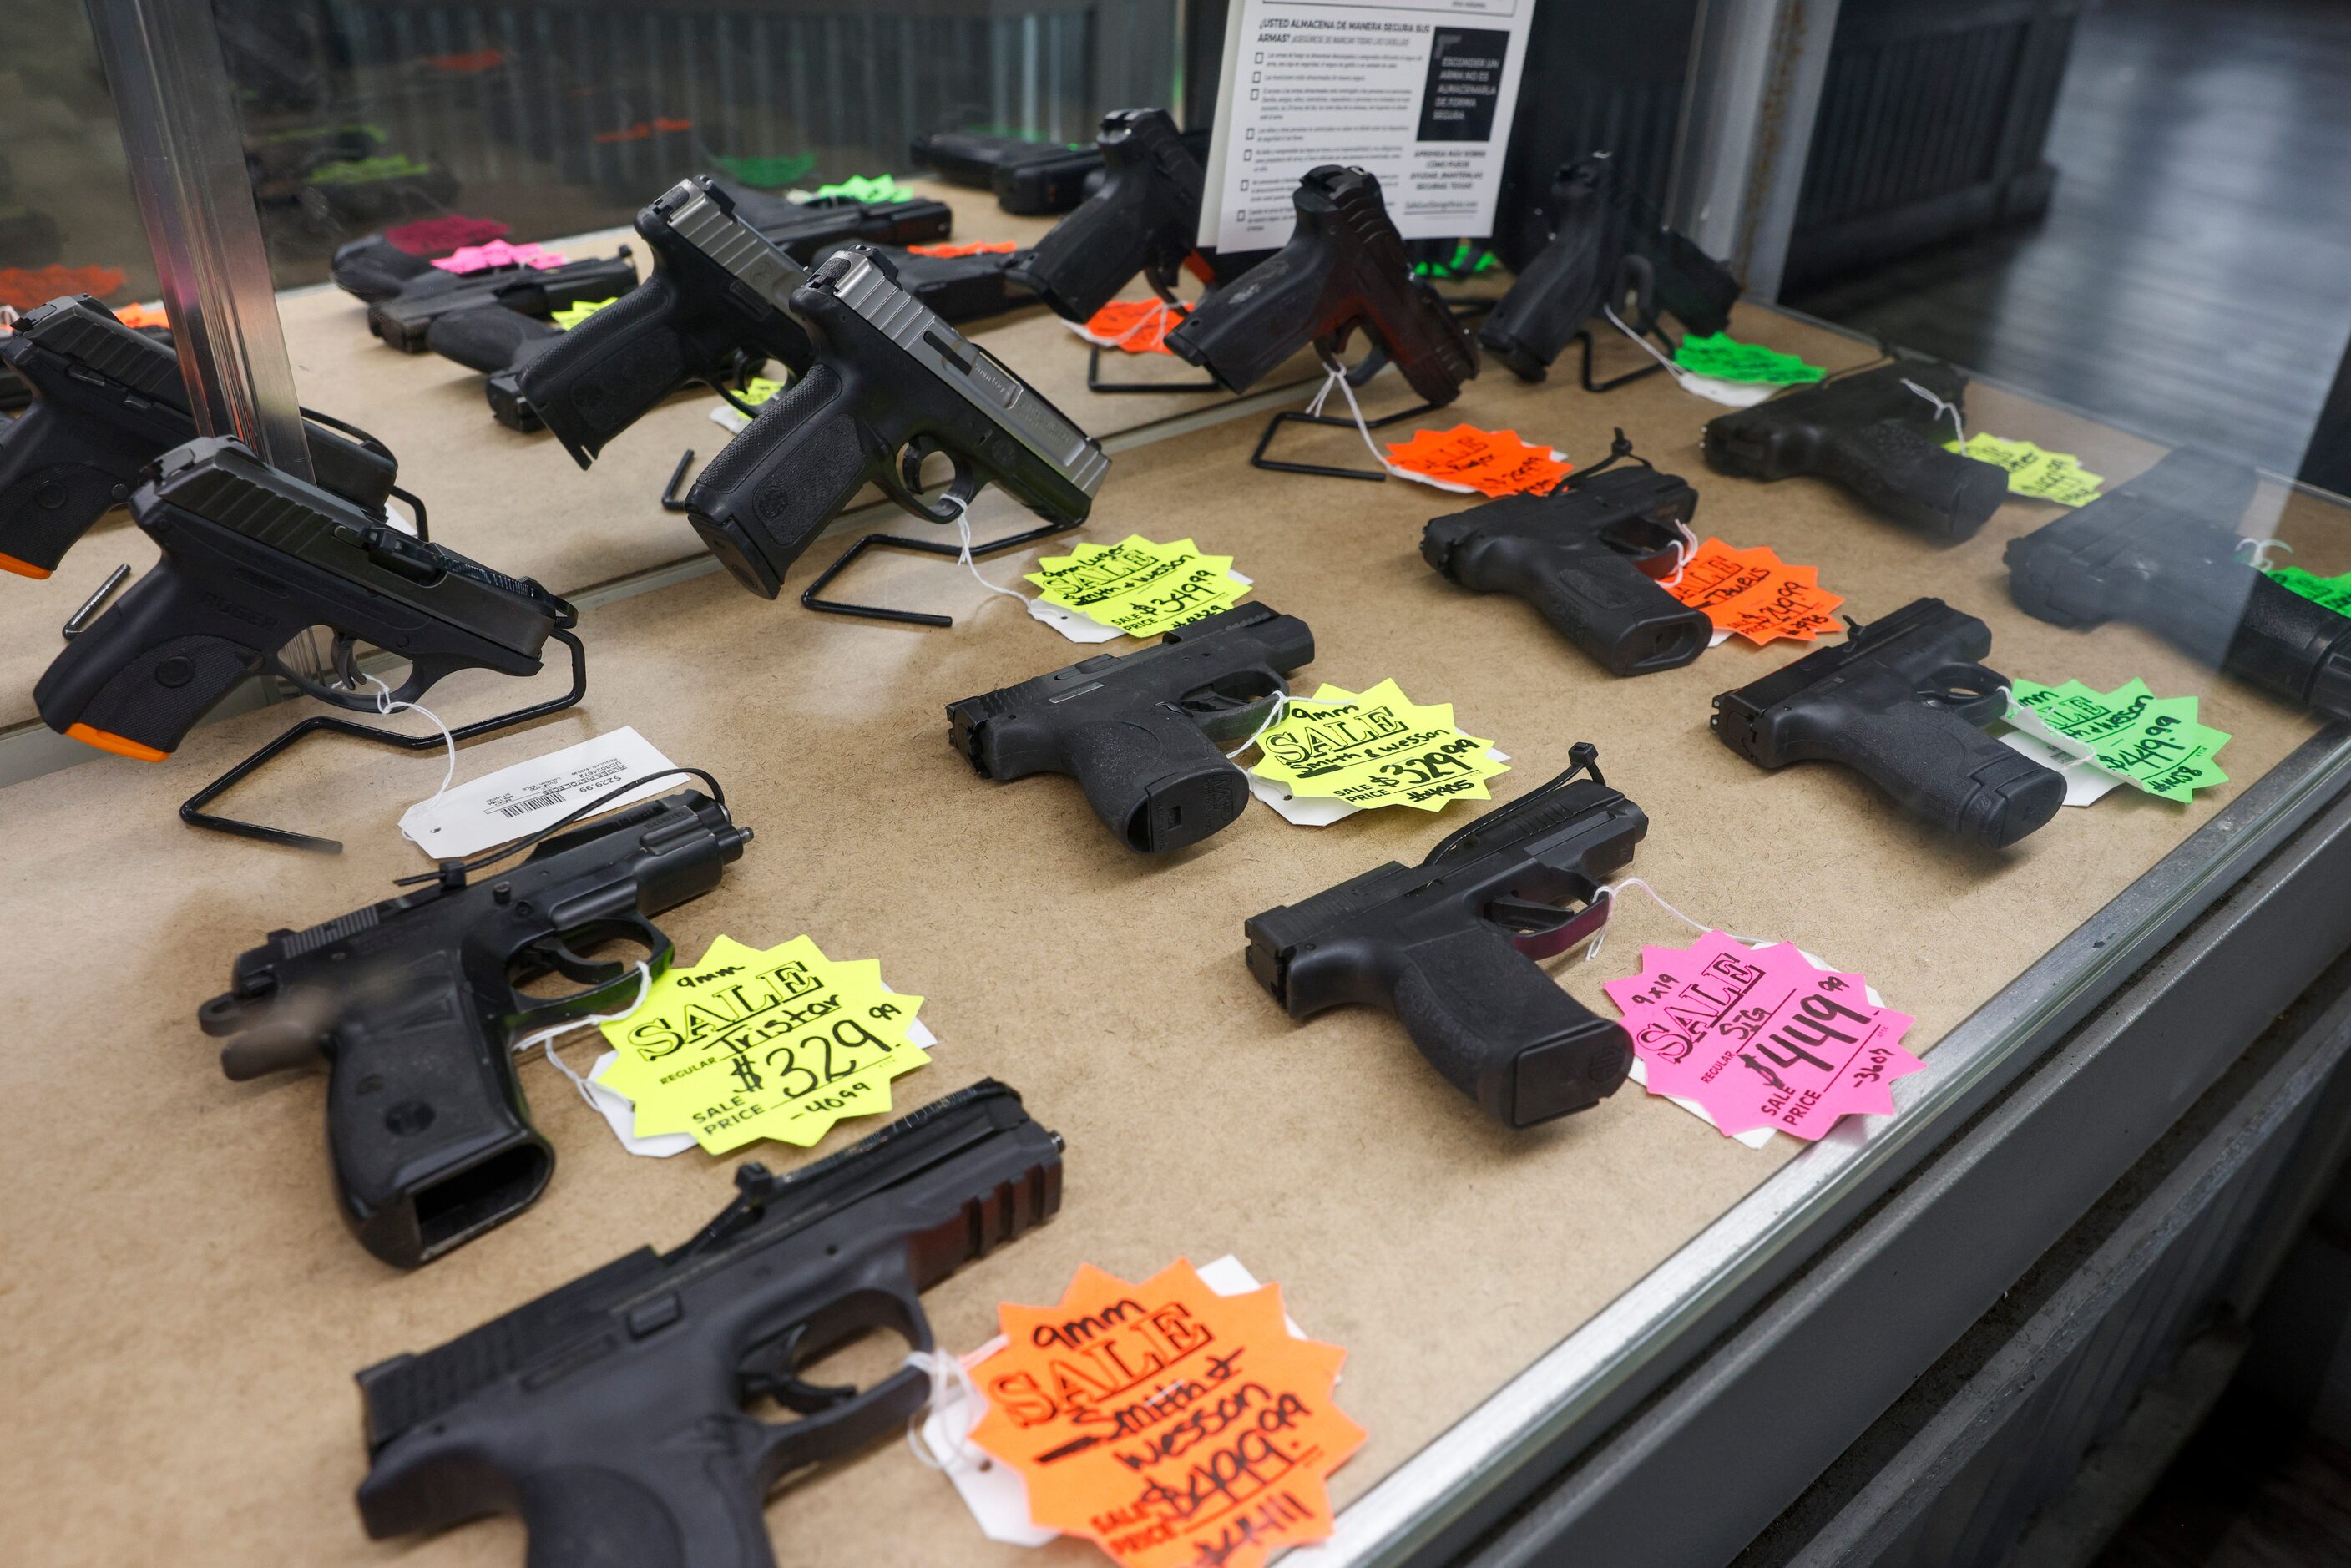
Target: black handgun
[404,320]
[2161,551]
[371,267]
[107,399]
[1901,702]
[609,1413]
[1449,948]
[1607,241]
[804,230]
[959,287]
[717,292]
[1145,218]
[891,384]
[1587,555]
[1031,178]
[501,344]
[1344,268]
[1144,733]
[252,557]
[1873,435]
[412,1006]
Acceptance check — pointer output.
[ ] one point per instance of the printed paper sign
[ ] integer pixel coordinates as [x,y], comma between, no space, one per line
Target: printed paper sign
[2056,477]
[1725,359]
[1173,1426]
[498,253]
[2334,592]
[2154,743]
[1756,594]
[1134,326]
[1373,749]
[1419,92]
[1482,461]
[748,1045]
[1760,1038]
[1140,587]
[519,799]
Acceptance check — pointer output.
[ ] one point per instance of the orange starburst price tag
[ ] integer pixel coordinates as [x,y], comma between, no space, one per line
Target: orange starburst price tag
[1135,326]
[1174,1426]
[957,251]
[1488,461]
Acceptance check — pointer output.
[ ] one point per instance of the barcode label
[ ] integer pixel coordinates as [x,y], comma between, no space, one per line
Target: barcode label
[471,816]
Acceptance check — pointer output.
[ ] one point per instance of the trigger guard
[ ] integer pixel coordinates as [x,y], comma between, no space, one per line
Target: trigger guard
[1988,702]
[904,485]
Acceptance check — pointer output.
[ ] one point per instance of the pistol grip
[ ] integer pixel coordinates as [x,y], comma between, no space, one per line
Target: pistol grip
[57,477]
[764,498]
[1154,779]
[1607,606]
[1501,1031]
[1558,292]
[1904,473]
[1241,331]
[689,1505]
[162,656]
[1087,258]
[426,1125]
[610,370]
[1937,767]
[2293,648]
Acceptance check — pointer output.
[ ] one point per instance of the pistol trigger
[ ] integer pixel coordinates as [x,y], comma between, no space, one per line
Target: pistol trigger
[770,1371]
[556,953]
[1544,930]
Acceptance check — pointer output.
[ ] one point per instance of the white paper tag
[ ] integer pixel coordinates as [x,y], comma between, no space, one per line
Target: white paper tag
[1079,628]
[1731,395]
[1754,1137]
[620,1113]
[505,805]
[1317,810]
[997,1496]
[731,419]
[2084,781]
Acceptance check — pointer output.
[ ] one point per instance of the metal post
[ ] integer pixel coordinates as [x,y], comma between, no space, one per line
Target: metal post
[1756,72]
[180,129]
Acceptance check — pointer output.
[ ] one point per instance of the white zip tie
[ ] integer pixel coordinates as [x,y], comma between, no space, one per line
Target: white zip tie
[944,1369]
[962,534]
[549,1035]
[387,707]
[1684,548]
[1941,407]
[1610,890]
[1273,717]
[1338,378]
[2261,548]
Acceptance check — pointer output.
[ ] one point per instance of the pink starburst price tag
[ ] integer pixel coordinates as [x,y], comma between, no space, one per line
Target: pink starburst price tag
[498,253]
[1760,1038]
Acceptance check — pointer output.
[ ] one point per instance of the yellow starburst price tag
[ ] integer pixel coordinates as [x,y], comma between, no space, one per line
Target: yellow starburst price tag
[570,316]
[748,1045]
[1139,587]
[1377,748]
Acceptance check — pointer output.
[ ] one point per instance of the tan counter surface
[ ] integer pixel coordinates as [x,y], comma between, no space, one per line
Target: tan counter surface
[518,502]
[186,1311]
